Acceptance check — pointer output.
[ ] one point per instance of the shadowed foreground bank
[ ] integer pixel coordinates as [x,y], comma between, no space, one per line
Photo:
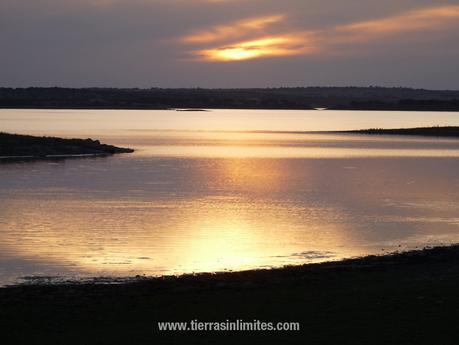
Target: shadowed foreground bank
[410,298]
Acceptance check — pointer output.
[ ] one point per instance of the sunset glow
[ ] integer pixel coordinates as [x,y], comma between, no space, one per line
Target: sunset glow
[234,30]
[433,18]
[266,47]
[178,43]
[229,171]
[329,40]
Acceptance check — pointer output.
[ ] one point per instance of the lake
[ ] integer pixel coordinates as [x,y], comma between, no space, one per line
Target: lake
[223,190]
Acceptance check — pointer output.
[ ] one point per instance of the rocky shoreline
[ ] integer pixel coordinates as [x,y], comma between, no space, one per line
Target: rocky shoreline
[401,298]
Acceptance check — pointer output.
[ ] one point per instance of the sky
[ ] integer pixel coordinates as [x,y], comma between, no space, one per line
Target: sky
[229,43]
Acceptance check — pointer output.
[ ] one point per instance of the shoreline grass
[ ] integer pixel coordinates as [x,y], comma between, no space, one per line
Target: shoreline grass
[435,131]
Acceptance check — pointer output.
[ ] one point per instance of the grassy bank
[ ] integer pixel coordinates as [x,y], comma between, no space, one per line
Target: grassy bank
[410,298]
[448,131]
[14,145]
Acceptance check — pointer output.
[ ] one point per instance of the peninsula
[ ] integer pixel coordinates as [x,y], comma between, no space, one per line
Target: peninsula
[447,131]
[26,146]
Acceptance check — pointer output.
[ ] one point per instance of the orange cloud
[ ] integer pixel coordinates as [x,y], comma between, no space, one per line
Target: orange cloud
[260,44]
[433,18]
[265,47]
[235,30]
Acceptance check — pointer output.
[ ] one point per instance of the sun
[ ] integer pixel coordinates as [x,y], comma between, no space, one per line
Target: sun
[276,46]
[236,54]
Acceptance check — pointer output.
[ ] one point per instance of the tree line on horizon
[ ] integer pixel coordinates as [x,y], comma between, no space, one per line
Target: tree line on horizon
[351,98]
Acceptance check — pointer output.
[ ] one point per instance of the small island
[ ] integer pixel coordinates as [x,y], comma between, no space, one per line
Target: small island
[27,146]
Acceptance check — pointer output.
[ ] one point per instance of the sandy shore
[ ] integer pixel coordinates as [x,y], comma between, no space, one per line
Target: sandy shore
[408,298]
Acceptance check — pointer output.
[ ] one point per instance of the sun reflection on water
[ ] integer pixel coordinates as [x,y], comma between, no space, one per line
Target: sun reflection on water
[212,201]
[238,229]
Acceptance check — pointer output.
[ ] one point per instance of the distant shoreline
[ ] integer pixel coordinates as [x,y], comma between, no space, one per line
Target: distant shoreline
[294,98]
[206,109]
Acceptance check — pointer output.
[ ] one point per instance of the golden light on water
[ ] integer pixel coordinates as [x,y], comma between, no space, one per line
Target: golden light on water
[199,233]
[232,201]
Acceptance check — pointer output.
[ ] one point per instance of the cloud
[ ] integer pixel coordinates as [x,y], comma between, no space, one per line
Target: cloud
[260,40]
[291,42]
[425,19]
[234,30]
[275,46]
[263,42]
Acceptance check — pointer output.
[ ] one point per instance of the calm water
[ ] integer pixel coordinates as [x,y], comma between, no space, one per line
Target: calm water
[203,194]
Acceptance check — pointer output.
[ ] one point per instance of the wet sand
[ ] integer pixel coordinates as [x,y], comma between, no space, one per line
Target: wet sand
[407,298]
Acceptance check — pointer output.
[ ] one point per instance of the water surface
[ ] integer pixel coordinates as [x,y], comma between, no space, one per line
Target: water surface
[203,192]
